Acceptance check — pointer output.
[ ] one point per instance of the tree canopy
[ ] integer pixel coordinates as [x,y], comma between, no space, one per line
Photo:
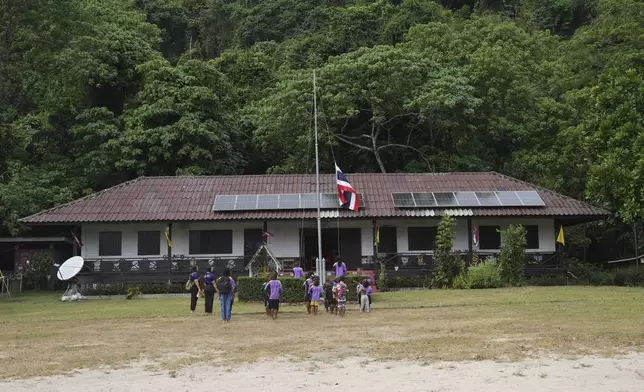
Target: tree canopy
[93,93]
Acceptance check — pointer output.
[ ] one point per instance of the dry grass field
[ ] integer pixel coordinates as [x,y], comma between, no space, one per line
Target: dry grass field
[39,335]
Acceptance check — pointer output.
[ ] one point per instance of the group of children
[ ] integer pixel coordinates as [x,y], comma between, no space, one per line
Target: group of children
[335,295]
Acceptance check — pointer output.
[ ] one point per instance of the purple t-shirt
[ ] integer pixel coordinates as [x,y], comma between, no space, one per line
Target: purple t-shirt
[298,272]
[276,289]
[369,290]
[316,291]
[340,268]
[194,276]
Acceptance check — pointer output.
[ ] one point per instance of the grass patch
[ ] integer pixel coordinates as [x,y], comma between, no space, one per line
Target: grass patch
[41,335]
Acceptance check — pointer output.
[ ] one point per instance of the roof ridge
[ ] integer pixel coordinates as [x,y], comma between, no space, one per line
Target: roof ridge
[90,196]
[313,174]
[546,190]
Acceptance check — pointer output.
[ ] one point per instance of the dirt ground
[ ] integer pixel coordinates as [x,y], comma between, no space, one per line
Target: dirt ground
[586,374]
[523,339]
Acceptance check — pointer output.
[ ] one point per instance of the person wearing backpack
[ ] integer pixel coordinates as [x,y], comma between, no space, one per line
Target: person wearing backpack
[225,289]
[192,285]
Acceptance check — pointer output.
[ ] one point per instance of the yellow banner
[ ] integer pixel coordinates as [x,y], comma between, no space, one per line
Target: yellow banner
[168,240]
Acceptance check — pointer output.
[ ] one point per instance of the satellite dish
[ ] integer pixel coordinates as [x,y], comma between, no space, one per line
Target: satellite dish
[70,268]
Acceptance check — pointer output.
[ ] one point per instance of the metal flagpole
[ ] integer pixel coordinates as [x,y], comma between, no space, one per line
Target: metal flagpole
[319,265]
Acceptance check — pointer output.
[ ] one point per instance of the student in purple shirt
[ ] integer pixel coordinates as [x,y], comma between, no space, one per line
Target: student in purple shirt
[307,291]
[316,292]
[298,272]
[193,287]
[340,268]
[275,289]
[209,290]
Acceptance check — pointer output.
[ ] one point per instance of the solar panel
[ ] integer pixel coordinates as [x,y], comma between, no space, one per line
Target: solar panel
[308,200]
[224,203]
[246,202]
[330,200]
[403,200]
[509,198]
[530,198]
[445,199]
[467,199]
[289,201]
[424,199]
[268,202]
[488,199]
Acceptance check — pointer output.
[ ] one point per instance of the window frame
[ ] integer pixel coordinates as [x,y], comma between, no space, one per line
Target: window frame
[101,246]
[412,246]
[527,238]
[228,250]
[151,233]
[497,229]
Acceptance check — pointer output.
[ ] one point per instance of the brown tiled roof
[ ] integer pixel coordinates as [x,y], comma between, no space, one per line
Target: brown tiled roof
[191,198]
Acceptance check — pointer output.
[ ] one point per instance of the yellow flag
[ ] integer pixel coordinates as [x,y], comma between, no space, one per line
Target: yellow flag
[167,238]
[377,235]
[560,237]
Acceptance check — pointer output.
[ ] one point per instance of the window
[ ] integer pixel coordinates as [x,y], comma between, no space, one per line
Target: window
[208,242]
[489,237]
[421,238]
[532,237]
[109,243]
[252,241]
[149,243]
[388,242]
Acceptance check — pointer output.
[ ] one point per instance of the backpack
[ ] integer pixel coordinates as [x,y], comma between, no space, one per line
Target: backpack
[223,285]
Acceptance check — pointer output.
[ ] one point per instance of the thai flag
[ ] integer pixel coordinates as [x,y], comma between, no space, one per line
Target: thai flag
[346,193]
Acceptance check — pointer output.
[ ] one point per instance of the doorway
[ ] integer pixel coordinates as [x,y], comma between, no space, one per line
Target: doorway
[347,246]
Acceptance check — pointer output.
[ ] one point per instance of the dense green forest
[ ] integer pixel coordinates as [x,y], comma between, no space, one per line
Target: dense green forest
[96,92]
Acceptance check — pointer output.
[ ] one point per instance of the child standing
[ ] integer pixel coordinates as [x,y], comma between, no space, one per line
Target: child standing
[364,300]
[369,290]
[328,296]
[359,287]
[341,295]
[265,295]
[298,272]
[316,293]
[307,291]
[274,288]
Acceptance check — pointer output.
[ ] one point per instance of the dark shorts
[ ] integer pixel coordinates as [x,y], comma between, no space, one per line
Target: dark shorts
[274,304]
[307,297]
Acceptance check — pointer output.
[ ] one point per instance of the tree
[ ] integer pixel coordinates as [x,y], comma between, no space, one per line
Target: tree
[182,122]
[512,258]
[447,263]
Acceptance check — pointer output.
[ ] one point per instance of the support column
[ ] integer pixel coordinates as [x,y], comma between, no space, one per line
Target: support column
[168,240]
[470,239]
[75,249]
[375,243]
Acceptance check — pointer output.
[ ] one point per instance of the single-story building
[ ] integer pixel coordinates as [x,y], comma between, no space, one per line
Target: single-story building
[221,221]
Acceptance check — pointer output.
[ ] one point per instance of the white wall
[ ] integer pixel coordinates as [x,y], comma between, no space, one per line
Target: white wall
[286,241]
[129,238]
[546,231]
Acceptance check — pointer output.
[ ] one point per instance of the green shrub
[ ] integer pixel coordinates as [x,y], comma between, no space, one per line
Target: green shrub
[629,277]
[548,281]
[132,291]
[485,275]
[592,274]
[143,288]
[37,270]
[447,264]
[512,258]
[250,289]
[461,282]
[382,283]
[407,281]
